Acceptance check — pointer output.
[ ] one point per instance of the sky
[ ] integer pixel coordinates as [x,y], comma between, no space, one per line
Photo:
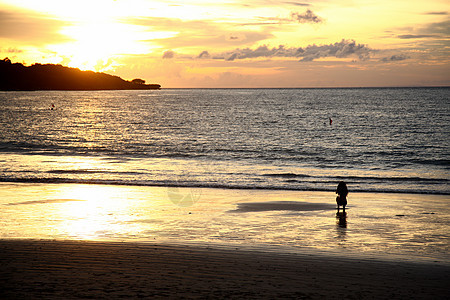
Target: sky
[237,44]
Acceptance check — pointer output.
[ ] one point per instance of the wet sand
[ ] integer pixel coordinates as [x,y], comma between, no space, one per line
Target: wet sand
[32,269]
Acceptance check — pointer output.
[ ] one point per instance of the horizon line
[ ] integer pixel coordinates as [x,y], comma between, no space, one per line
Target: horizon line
[325,87]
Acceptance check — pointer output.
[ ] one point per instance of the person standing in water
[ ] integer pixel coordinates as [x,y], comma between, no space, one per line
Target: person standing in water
[341,198]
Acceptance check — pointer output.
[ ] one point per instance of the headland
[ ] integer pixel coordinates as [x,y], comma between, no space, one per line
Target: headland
[17,77]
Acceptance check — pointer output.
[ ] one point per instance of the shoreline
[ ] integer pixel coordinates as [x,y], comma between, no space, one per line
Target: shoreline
[209,186]
[83,269]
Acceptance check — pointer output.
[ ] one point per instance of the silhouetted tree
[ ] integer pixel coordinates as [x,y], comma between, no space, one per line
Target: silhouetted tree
[138,81]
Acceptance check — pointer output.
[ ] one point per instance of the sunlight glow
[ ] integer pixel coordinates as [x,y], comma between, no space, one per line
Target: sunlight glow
[99,31]
[97,42]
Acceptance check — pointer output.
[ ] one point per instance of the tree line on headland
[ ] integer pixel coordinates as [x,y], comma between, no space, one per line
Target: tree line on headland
[17,77]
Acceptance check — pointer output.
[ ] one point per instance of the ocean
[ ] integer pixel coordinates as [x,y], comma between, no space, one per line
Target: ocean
[387,140]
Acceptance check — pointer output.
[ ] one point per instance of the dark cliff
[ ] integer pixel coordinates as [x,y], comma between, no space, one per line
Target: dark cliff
[17,77]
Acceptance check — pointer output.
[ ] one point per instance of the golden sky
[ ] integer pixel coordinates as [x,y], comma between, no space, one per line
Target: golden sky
[229,43]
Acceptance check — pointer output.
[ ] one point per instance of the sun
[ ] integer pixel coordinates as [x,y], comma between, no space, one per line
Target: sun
[94,44]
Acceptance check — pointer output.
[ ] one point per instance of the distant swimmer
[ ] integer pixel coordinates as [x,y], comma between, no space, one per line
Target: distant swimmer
[342,192]
[53,107]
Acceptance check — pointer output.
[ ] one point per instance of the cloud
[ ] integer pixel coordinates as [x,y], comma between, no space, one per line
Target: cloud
[428,41]
[344,48]
[204,54]
[298,3]
[295,17]
[11,50]
[439,13]
[262,51]
[306,17]
[168,54]
[437,30]
[441,28]
[394,57]
[265,3]
[416,36]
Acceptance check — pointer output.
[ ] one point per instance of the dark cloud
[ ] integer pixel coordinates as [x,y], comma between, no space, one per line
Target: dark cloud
[295,17]
[306,17]
[30,27]
[393,58]
[233,56]
[437,30]
[442,28]
[416,36]
[168,54]
[236,37]
[344,48]
[431,40]
[262,51]
[298,3]
[204,54]
[11,50]
[440,13]
[266,3]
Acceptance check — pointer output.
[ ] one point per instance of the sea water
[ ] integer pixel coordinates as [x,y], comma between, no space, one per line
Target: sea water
[375,139]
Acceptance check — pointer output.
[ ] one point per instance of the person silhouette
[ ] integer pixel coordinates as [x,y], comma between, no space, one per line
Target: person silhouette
[341,198]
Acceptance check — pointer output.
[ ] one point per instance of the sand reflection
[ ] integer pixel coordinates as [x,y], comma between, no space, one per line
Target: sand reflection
[96,217]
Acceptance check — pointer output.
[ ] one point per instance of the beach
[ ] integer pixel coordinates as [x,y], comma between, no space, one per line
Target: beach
[105,241]
[33,269]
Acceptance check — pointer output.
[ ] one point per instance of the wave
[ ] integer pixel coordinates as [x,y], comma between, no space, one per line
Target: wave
[287,175]
[292,176]
[327,158]
[434,162]
[387,179]
[85,171]
[156,183]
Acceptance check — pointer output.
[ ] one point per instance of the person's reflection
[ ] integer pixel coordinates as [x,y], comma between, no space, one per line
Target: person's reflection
[341,225]
[341,219]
